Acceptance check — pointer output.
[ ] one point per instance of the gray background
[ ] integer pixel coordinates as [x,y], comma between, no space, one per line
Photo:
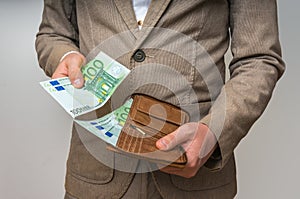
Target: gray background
[35,131]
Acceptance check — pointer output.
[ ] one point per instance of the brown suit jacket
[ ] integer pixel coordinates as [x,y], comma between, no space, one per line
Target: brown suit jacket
[191,31]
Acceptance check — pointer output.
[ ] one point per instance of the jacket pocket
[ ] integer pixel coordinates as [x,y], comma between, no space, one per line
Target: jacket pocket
[206,179]
[89,161]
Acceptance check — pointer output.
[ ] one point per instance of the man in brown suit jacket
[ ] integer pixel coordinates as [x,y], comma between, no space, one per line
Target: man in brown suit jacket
[191,38]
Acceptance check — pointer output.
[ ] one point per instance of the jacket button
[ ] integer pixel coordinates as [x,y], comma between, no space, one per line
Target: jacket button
[139,55]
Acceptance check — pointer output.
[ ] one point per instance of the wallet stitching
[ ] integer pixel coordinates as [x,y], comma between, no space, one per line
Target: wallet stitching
[184,115]
[132,138]
[140,121]
[160,118]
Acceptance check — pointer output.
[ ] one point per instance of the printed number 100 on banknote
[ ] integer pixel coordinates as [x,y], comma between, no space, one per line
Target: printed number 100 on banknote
[102,76]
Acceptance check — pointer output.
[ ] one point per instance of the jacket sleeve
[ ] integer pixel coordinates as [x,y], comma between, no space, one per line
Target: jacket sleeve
[58,33]
[254,70]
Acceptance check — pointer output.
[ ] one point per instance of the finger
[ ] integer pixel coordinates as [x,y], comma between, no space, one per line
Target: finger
[165,167]
[169,169]
[179,136]
[171,140]
[61,71]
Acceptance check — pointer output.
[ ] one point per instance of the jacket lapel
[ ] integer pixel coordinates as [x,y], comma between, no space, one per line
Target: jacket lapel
[155,11]
[125,8]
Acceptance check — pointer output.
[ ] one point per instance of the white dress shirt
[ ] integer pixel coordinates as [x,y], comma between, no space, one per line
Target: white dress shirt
[140,8]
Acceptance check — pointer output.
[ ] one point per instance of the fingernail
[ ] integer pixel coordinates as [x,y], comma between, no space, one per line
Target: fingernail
[163,144]
[77,82]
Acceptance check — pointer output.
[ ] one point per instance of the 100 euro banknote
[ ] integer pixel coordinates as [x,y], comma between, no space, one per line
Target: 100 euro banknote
[102,76]
[108,127]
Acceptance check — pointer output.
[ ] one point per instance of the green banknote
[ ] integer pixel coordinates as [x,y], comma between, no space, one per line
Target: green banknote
[109,126]
[102,76]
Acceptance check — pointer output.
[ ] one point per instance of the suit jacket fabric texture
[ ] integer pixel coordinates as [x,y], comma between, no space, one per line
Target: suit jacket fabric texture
[229,109]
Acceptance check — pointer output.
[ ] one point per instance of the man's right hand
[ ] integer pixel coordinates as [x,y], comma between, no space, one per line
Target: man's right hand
[70,67]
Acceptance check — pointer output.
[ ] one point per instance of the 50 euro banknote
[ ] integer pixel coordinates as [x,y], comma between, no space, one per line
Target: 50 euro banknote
[102,76]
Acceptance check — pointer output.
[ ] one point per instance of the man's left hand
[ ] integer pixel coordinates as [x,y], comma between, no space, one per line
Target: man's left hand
[198,142]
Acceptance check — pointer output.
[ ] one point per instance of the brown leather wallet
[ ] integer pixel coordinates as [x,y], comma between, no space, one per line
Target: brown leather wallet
[150,119]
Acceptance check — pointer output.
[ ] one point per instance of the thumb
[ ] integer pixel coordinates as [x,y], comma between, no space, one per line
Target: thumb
[74,66]
[171,140]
